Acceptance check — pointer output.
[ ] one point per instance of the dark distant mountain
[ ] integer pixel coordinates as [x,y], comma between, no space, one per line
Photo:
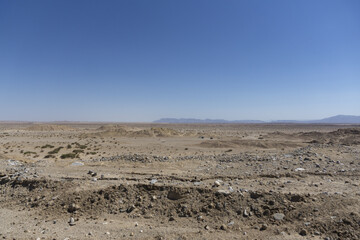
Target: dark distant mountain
[194,120]
[339,119]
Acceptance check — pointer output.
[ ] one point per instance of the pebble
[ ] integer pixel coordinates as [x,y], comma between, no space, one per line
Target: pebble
[245,213]
[263,227]
[72,221]
[299,169]
[225,192]
[278,216]
[217,183]
[303,232]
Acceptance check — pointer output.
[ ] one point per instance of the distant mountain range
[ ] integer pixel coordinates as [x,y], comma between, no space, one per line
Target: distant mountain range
[194,120]
[338,119]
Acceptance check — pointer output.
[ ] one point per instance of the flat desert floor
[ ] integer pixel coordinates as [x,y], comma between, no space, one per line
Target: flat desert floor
[179,181]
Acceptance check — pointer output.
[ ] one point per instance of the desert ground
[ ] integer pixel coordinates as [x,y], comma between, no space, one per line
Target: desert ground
[179,181]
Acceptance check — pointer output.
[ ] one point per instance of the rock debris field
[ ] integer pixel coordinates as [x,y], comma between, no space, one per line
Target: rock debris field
[179,181]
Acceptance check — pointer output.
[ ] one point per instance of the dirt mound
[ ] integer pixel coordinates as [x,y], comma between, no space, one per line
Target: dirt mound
[348,136]
[125,131]
[344,136]
[117,127]
[197,206]
[48,127]
[247,143]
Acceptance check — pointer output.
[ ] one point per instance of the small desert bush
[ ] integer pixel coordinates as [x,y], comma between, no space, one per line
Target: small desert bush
[68,155]
[47,146]
[78,151]
[56,150]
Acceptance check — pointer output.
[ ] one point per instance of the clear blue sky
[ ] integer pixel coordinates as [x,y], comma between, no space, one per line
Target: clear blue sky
[140,60]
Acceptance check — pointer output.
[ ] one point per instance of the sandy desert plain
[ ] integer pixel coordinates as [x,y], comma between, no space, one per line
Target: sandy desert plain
[179,181]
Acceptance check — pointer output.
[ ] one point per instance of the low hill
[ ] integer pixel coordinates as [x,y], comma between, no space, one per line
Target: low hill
[48,127]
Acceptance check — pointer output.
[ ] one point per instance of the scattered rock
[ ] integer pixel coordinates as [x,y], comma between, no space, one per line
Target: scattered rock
[303,232]
[299,169]
[72,221]
[245,213]
[73,208]
[278,216]
[173,195]
[263,227]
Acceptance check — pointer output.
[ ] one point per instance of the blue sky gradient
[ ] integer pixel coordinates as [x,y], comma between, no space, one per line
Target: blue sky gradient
[143,60]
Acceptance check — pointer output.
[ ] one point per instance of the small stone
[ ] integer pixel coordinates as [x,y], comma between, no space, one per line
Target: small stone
[217,183]
[73,208]
[299,169]
[223,227]
[72,221]
[263,227]
[245,213]
[173,195]
[171,218]
[207,227]
[130,209]
[224,192]
[303,232]
[278,216]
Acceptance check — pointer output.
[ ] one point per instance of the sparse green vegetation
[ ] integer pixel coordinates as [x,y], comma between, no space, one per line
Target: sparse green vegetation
[55,151]
[47,146]
[49,156]
[68,155]
[78,145]
[28,152]
[78,151]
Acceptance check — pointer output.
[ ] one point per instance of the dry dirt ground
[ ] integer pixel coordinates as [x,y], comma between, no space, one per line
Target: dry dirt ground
[164,181]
